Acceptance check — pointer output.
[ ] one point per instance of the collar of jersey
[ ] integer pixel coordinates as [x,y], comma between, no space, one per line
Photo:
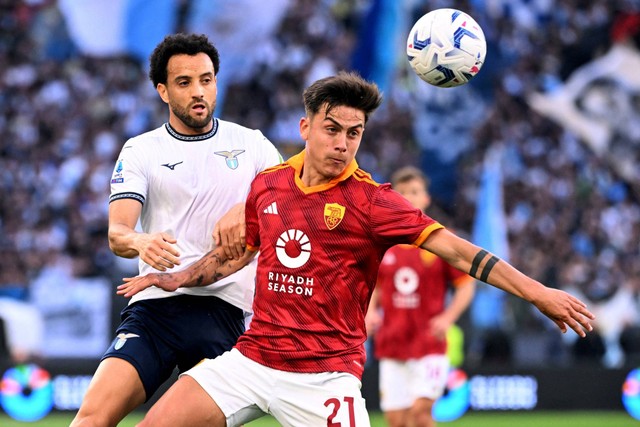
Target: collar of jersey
[191,138]
[297,162]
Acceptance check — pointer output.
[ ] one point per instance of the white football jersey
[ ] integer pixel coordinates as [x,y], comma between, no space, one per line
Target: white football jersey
[185,184]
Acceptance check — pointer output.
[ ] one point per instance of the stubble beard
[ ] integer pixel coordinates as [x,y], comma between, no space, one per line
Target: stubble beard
[195,123]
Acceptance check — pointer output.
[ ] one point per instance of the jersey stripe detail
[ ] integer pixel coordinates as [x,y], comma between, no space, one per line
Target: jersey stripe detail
[201,137]
[363,176]
[275,168]
[129,195]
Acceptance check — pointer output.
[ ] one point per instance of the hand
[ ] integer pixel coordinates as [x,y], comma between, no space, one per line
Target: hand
[439,325]
[372,320]
[229,232]
[133,285]
[565,310]
[158,250]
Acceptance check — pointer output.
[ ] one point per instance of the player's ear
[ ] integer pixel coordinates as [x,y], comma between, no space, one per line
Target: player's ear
[304,128]
[162,91]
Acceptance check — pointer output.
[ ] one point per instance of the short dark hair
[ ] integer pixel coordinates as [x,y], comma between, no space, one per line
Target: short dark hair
[409,173]
[346,88]
[176,44]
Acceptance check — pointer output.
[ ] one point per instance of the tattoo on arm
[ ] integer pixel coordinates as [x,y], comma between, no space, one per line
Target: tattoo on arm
[486,269]
[476,262]
[208,269]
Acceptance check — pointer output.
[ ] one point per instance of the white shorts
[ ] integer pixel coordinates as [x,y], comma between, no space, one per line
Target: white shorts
[245,390]
[402,382]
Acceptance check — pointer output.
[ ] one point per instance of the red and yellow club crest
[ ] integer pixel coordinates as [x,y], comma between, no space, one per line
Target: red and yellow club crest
[333,214]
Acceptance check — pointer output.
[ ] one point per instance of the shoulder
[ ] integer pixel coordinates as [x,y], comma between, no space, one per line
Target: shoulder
[247,135]
[274,170]
[146,139]
[365,178]
[227,126]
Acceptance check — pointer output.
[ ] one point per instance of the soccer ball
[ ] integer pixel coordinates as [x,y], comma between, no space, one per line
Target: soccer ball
[446,47]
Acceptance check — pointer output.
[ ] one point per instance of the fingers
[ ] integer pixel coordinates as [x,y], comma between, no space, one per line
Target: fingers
[161,254]
[233,244]
[131,287]
[229,232]
[567,311]
[578,320]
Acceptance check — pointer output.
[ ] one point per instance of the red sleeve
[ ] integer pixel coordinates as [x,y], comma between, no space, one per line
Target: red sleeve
[394,220]
[251,219]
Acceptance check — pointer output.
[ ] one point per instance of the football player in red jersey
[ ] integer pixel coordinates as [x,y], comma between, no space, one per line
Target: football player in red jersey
[322,226]
[410,320]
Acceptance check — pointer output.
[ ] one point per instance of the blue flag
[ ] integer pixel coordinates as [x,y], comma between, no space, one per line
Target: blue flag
[490,233]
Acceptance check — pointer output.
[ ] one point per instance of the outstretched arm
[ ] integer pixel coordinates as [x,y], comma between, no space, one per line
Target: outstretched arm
[562,308]
[212,267]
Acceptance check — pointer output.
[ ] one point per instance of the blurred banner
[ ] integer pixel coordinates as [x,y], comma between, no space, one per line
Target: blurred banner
[490,232]
[120,27]
[600,103]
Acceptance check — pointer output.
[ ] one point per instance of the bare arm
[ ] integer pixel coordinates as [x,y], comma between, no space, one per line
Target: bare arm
[212,267]
[462,297]
[158,249]
[373,319]
[229,232]
[562,308]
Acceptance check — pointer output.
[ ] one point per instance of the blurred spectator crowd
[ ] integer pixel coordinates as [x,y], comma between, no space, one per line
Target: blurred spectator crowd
[573,216]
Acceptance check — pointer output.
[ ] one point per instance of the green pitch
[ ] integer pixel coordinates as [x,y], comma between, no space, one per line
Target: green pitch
[494,419]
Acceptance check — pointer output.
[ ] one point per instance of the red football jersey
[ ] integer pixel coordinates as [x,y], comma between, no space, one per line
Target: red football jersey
[412,286]
[320,249]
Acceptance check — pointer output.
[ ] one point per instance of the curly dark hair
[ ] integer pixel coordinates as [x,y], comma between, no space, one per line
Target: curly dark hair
[176,44]
[345,89]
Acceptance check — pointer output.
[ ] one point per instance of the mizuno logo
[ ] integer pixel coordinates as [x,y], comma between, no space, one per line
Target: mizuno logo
[171,166]
[271,209]
[230,157]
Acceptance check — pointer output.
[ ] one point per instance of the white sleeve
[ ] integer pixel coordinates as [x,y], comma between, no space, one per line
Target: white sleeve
[269,155]
[129,180]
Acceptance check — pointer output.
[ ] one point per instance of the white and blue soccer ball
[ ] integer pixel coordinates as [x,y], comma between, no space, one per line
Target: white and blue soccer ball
[446,47]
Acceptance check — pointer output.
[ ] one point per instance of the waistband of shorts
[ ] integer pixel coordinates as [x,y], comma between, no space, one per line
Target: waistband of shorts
[195,300]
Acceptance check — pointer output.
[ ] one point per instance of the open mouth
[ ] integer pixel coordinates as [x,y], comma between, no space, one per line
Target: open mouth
[199,108]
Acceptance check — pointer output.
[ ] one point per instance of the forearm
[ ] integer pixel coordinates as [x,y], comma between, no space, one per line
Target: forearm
[482,265]
[462,297]
[122,241]
[212,267]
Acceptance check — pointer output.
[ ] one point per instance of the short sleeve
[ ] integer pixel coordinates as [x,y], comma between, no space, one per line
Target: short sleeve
[395,221]
[128,180]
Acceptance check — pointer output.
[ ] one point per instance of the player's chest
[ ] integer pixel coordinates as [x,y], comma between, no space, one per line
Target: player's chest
[193,168]
[323,219]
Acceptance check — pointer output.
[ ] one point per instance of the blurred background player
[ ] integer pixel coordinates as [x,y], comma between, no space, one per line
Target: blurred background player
[179,180]
[410,318]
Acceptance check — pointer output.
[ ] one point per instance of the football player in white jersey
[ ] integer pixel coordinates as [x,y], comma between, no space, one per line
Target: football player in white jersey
[186,182]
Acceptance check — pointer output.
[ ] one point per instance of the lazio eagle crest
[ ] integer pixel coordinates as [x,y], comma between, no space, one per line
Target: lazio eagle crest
[333,214]
[230,157]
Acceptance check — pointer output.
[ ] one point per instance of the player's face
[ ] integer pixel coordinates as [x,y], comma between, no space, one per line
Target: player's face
[415,192]
[332,141]
[191,92]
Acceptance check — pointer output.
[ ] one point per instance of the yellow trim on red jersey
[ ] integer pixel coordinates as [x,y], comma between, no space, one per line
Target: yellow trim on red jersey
[297,162]
[253,248]
[426,232]
[363,176]
[275,168]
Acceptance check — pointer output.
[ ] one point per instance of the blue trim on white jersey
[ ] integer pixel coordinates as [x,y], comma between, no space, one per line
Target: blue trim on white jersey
[201,137]
[128,195]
